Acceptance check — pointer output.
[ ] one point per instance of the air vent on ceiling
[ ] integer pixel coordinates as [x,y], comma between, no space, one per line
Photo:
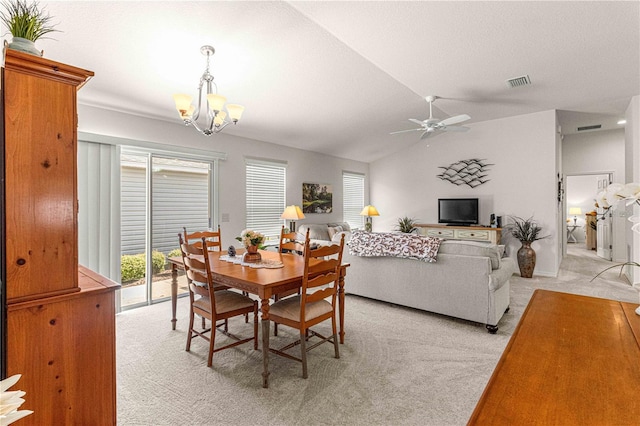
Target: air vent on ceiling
[593,127]
[519,81]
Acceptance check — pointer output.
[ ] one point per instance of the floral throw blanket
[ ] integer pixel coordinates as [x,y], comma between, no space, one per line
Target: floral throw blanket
[410,246]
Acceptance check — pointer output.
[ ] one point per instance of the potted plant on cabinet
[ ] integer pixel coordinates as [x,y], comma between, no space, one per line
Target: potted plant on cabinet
[406,225]
[26,23]
[526,231]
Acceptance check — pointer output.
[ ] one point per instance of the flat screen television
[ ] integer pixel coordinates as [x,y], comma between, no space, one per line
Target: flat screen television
[458,211]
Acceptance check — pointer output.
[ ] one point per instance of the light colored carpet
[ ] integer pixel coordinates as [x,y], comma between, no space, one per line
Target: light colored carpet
[398,366]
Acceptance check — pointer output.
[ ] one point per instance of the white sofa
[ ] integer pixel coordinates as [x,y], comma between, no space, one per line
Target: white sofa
[324,233]
[469,280]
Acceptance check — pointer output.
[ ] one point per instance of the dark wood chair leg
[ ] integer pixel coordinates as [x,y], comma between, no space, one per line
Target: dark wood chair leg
[303,350]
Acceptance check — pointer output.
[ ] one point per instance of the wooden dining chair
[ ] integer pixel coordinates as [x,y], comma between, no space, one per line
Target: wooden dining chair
[288,244]
[214,305]
[214,238]
[311,307]
[198,243]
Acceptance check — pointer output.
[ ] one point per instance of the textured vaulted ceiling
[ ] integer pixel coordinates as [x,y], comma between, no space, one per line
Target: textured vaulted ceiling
[337,77]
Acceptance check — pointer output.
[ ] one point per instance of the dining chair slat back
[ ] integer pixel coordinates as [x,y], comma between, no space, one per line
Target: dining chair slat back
[316,303]
[214,305]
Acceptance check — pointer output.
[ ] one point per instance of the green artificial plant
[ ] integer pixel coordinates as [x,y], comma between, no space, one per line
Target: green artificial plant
[406,225]
[26,20]
[525,230]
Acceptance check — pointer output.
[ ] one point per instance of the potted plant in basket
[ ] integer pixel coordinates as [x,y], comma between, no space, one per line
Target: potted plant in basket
[526,231]
[26,22]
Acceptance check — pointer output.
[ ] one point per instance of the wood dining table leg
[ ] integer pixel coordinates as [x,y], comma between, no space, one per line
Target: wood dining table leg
[174,294]
[341,304]
[266,325]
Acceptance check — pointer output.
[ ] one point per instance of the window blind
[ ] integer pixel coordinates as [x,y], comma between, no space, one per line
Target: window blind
[353,199]
[265,192]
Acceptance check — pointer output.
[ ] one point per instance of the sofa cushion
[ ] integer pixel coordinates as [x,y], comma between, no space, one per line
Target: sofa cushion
[336,238]
[344,225]
[317,231]
[472,248]
[333,230]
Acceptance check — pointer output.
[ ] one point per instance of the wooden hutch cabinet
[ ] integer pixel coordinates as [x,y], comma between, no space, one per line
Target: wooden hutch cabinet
[60,318]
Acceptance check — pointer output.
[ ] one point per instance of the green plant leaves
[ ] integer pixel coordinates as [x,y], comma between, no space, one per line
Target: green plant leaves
[26,20]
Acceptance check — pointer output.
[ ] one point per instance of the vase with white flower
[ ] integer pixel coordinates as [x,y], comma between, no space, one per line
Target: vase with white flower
[618,196]
[252,241]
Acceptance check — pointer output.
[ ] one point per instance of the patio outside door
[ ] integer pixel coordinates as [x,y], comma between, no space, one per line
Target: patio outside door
[160,196]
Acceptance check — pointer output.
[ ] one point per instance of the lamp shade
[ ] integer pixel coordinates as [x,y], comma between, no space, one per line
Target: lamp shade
[292,212]
[219,119]
[235,112]
[369,211]
[183,102]
[216,102]
[575,210]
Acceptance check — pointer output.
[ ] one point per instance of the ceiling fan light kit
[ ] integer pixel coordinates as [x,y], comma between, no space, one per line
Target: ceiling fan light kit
[216,118]
[432,126]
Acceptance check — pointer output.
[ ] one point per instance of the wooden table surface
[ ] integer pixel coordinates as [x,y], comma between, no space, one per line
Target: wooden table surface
[572,360]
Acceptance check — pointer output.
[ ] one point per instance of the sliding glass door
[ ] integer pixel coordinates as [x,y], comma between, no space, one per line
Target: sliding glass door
[160,196]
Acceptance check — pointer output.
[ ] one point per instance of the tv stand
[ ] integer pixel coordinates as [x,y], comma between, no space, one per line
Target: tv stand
[461,232]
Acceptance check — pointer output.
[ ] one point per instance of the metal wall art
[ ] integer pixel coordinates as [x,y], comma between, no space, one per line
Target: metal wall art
[470,172]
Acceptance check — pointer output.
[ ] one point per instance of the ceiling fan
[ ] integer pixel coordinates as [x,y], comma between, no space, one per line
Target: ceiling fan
[432,126]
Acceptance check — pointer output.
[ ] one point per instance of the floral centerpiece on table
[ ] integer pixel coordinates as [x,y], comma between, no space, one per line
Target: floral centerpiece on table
[618,195]
[252,241]
[250,238]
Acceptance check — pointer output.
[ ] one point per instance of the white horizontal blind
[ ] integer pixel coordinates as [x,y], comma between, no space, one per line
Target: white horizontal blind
[265,192]
[353,199]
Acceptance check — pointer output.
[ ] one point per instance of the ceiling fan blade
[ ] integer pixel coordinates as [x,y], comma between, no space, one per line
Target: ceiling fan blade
[426,134]
[404,131]
[413,120]
[455,119]
[454,128]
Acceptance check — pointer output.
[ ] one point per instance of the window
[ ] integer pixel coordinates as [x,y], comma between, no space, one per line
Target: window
[353,199]
[266,182]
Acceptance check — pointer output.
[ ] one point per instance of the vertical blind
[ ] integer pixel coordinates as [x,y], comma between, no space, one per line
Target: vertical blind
[353,199]
[265,192]
[99,208]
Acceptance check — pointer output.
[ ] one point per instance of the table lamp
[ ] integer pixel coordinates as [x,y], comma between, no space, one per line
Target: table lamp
[369,211]
[575,211]
[292,213]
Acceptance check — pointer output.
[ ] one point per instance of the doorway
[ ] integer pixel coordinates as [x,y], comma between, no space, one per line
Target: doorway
[581,214]
[160,195]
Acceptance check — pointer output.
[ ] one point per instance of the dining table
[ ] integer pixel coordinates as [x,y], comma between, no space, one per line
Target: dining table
[263,282]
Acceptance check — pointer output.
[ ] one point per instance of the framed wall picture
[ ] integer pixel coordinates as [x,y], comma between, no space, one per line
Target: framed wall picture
[317,198]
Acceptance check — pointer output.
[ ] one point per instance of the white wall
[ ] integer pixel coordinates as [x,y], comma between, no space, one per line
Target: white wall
[595,152]
[303,166]
[522,179]
[598,152]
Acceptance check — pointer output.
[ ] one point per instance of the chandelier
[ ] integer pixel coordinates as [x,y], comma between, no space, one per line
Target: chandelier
[216,118]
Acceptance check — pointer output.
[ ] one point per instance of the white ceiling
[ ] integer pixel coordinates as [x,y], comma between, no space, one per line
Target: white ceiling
[337,77]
